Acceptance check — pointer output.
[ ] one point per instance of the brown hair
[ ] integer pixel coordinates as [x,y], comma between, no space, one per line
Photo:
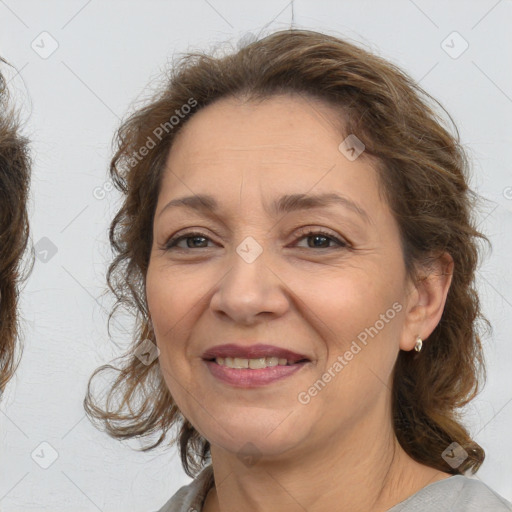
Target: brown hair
[14,230]
[423,172]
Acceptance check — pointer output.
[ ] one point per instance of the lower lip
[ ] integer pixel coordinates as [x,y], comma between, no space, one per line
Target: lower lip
[248,378]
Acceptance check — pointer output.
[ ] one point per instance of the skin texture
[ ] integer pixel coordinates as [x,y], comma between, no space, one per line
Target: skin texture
[340,448]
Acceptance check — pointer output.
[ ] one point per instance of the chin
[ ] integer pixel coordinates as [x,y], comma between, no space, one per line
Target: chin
[254,438]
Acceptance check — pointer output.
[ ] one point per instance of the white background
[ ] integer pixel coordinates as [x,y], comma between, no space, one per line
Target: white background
[110,53]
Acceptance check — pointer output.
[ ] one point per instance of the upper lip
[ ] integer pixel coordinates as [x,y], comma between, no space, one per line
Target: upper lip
[252,352]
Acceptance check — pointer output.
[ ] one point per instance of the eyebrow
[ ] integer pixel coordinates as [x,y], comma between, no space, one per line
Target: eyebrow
[285,204]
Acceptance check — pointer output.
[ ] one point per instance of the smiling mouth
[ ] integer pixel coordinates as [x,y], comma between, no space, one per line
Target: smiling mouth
[256,363]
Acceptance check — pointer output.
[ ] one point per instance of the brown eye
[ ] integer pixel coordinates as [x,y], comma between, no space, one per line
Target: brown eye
[192,239]
[321,239]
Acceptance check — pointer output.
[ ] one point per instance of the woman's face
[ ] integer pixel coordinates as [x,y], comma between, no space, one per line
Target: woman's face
[250,274]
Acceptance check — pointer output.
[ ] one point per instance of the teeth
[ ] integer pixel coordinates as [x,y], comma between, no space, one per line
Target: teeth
[238,362]
[256,363]
[261,362]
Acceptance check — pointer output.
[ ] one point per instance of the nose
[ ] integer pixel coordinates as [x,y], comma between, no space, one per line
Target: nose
[250,292]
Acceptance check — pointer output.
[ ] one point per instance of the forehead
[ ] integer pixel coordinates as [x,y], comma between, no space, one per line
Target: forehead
[288,125]
[282,144]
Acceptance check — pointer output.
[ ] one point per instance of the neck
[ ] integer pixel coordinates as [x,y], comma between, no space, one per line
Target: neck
[364,469]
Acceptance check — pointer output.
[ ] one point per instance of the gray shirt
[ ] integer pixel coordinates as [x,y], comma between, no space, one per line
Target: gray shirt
[454,494]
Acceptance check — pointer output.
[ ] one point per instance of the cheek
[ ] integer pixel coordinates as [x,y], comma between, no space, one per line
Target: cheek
[358,315]
[166,309]
[171,299]
[175,303]
[339,302]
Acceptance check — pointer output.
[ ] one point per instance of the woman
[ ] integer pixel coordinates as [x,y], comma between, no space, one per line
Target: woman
[14,229]
[296,238]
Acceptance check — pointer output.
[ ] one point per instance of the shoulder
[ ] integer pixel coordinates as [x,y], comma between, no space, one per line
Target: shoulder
[455,494]
[189,498]
[475,493]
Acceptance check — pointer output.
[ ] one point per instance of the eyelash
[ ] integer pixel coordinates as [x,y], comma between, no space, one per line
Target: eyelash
[306,233]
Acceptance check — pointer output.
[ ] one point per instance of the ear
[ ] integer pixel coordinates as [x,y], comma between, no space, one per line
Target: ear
[426,300]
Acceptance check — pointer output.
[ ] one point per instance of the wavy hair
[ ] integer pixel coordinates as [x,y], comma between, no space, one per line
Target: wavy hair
[14,231]
[423,172]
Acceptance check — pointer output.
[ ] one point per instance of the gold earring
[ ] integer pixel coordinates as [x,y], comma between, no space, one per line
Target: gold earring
[419,344]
